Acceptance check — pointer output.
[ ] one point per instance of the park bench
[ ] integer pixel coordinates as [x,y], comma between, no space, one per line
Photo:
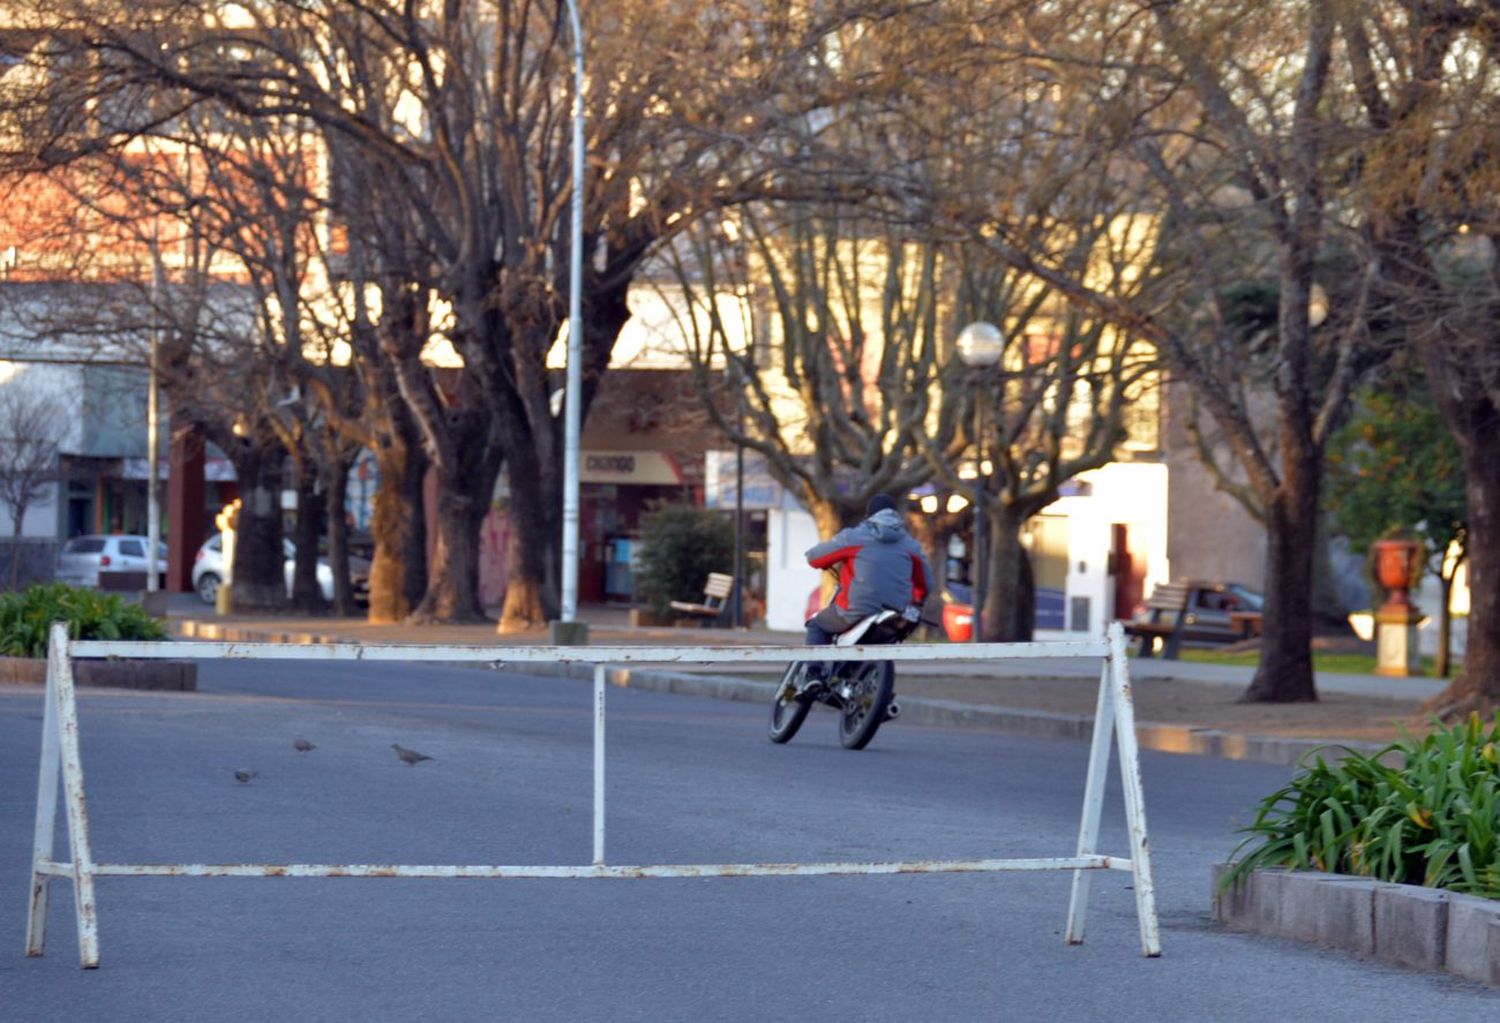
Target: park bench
[1166,613]
[715,593]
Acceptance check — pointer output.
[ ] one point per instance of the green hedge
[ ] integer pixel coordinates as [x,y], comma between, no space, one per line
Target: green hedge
[27,617]
[680,545]
[1424,813]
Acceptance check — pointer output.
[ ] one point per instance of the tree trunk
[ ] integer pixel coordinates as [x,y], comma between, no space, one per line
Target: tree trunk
[307,595]
[1008,615]
[259,575]
[398,573]
[1441,663]
[338,535]
[1285,674]
[1477,687]
[15,545]
[533,536]
[464,494]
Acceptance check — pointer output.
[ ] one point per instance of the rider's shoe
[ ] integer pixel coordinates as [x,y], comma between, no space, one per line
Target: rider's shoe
[814,680]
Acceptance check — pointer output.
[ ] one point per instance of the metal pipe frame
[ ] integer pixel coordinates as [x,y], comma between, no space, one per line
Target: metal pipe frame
[61,762]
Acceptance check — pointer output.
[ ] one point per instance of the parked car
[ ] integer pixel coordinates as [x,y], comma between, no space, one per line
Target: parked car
[1220,612]
[208,571]
[83,558]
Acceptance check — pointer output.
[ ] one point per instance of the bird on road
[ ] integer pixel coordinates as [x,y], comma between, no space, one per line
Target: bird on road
[243,777]
[409,757]
[301,745]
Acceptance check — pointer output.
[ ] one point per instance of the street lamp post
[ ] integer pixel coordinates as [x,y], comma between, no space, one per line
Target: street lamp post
[980,347]
[573,412]
[153,428]
[738,600]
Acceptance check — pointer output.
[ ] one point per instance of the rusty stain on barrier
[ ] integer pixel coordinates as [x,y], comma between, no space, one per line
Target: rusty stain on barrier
[60,756]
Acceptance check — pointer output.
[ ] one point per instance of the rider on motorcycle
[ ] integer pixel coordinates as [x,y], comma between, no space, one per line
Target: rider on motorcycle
[879,566]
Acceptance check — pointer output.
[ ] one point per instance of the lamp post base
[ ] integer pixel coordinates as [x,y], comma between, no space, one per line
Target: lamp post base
[568,633]
[1397,650]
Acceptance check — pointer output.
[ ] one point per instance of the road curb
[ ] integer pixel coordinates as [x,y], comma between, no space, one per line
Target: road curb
[1166,738]
[1408,925]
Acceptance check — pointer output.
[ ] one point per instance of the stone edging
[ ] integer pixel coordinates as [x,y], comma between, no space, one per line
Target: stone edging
[1166,738]
[178,676]
[1425,928]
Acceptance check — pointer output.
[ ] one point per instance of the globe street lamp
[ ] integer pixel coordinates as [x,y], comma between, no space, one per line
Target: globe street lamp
[980,346]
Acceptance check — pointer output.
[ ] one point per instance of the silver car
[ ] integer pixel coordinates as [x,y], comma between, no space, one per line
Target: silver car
[83,558]
[208,571]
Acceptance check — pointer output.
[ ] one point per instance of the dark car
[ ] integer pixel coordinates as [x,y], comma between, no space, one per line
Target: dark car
[1217,612]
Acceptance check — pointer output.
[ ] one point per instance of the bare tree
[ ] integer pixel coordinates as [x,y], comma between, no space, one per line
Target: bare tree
[462,109]
[1238,169]
[1425,77]
[31,422]
[821,326]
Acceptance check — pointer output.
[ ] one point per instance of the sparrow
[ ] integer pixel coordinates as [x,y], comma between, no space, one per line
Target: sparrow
[410,757]
[243,777]
[301,745]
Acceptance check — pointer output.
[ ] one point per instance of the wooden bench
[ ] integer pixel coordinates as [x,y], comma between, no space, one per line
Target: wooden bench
[715,593]
[1167,613]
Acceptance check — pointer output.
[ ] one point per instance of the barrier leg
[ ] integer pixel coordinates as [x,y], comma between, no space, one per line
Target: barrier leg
[1135,800]
[598,765]
[1093,805]
[46,814]
[73,802]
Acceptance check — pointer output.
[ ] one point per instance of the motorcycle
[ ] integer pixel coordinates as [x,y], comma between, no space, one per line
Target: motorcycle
[863,692]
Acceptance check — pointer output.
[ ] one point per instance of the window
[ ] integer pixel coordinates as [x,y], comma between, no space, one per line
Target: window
[84,545]
[132,548]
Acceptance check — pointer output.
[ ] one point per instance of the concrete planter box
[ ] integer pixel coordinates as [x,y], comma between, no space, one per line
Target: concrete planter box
[1423,928]
[644,617]
[181,676]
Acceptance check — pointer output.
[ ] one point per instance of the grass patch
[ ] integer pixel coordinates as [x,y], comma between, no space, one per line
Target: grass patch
[1323,660]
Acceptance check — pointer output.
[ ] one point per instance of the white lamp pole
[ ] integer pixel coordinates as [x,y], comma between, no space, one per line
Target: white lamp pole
[980,347]
[573,411]
[153,427]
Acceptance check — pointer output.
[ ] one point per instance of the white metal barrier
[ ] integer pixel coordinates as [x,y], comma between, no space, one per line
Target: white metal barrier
[1115,718]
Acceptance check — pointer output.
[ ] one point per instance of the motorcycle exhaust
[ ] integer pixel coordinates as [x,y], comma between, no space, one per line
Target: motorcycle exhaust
[893,711]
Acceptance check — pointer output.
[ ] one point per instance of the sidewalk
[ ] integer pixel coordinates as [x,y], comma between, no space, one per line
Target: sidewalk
[1181,706]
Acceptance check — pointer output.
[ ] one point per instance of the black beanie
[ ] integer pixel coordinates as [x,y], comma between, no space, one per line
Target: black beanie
[880,502]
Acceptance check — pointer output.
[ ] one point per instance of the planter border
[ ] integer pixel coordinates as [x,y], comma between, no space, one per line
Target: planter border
[167,676]
[1408,925]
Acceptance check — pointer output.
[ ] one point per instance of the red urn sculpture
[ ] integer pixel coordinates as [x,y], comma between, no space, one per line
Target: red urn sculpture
[1398,565]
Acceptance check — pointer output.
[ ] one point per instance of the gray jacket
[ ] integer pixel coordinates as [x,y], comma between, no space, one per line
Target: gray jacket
[879,564]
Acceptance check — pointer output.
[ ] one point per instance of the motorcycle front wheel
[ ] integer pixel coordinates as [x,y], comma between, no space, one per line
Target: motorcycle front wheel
[872,684]
[789,710]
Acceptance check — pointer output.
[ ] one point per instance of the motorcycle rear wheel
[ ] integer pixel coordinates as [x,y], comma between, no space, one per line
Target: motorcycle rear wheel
[873,684]
[789,710]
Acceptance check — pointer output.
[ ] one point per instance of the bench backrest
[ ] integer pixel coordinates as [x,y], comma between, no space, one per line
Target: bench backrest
[718,585]
[1168,597]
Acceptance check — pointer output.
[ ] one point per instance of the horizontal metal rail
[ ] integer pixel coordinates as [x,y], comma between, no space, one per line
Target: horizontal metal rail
[500,655]
[588,872]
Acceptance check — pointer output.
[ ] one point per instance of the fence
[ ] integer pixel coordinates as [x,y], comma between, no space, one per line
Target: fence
[1114,719]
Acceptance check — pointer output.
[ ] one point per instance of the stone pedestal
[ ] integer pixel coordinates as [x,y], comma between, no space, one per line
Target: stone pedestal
[1396,648]
[569,633]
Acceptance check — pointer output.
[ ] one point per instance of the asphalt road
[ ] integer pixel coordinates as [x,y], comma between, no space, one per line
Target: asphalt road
[690,780]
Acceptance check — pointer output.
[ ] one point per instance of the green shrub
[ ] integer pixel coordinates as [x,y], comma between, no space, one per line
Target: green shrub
[1425,813]
[680,545]
[26,618]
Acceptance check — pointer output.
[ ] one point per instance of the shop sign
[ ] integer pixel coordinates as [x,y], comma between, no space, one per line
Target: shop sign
[638,468]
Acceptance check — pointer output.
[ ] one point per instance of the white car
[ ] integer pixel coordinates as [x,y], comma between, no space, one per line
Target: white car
[82,558]
[208,571]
